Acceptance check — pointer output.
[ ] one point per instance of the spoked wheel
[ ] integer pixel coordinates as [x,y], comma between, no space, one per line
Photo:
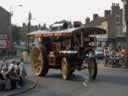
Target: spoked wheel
[92,69]
[39,67]
[65,69]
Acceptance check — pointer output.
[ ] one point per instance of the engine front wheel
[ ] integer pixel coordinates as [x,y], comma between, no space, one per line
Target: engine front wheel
[92,69]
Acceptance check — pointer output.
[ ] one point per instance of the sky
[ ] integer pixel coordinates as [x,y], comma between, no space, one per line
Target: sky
[49,11]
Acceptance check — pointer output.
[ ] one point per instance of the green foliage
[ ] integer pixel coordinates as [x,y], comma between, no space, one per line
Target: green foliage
[15,34]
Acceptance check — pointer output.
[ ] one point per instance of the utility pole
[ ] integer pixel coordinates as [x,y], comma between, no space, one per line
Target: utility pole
[10,28]
[29,29]
[10,25]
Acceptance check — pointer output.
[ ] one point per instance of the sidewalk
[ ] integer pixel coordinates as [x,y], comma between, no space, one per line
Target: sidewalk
[101,66]
[29,86]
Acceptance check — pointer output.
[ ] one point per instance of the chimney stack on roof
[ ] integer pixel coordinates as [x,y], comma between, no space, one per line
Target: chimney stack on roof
[95,16]
[107,13]
[87,20]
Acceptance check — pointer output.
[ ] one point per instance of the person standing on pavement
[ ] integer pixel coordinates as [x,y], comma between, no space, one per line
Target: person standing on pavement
[123,57]
[110,56]
[22,68]
[117,57]
[106,55]
[24,56]
[11,66]
[17,72]
[12,75]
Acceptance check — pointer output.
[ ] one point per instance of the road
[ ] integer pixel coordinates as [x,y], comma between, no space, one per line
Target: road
[109,83]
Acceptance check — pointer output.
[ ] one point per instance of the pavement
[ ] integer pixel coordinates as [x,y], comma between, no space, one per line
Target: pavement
[29,85]
[109,67]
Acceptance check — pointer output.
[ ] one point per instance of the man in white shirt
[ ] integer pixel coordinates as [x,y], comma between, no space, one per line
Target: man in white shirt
[11,66]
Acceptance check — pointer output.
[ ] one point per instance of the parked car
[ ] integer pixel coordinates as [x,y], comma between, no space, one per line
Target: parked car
[99,53]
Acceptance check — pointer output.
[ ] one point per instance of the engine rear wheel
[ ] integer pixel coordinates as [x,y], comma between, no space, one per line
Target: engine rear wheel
[39,64]
[92,69]
[65,66]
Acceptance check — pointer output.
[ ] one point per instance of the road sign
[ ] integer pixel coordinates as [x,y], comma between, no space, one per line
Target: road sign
[4,44]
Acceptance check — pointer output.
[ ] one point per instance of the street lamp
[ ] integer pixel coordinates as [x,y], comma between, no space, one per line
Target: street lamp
[29,29]
[10,26]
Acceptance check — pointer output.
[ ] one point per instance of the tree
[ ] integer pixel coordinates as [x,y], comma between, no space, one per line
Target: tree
[15,33]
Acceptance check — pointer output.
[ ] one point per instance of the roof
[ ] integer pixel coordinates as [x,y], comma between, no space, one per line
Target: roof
[45,33]
[57,25]
[91,30]
[67,32]
[4,10]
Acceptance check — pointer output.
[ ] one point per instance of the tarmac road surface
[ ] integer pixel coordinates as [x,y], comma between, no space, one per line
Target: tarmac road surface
[110,82]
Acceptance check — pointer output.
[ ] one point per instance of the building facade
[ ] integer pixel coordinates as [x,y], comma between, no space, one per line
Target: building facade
[112,23]
[125,17]
[4,21]
[5,26]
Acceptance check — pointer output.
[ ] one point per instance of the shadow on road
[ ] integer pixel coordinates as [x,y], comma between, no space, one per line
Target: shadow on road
[74,77]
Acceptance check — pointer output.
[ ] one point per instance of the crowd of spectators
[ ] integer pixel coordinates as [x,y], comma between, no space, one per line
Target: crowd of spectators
[12,74]
[116,57]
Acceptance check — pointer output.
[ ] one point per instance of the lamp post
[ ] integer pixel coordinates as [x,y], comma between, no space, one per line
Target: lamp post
[10,25]
[29,29]
[10,28]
